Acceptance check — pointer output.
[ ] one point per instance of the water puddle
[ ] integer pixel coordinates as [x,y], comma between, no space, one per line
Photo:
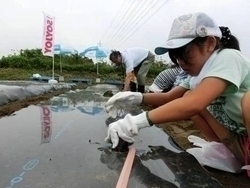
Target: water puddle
[69,149]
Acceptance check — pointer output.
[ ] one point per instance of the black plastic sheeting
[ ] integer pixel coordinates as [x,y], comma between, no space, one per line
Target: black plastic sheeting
[12,91]
[77,156]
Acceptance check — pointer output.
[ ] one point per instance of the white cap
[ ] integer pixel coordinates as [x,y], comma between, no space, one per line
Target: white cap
[188,27]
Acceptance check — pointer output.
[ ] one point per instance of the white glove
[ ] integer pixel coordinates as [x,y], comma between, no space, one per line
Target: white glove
[119,101]
[126,128]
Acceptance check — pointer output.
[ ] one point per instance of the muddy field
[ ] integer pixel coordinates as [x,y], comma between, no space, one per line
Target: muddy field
[179,131]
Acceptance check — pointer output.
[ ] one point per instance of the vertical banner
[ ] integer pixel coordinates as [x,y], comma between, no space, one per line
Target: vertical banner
[46,124]
[48,35]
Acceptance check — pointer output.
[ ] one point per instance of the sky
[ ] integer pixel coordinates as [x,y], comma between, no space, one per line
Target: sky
[114,24]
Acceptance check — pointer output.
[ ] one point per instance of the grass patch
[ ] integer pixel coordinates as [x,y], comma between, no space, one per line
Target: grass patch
[25,74]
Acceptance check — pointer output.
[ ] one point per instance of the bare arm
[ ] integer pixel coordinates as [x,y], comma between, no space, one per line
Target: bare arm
[128,78]
[159,99]
[191,104]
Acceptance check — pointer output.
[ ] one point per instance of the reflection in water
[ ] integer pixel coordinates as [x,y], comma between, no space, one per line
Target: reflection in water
[186,169]
[90,101]
[46,124]
[93,106]
[115,161]
[60,104]
[84,163]
[91,110]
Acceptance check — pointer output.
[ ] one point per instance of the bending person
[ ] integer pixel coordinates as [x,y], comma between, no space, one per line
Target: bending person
[137,62]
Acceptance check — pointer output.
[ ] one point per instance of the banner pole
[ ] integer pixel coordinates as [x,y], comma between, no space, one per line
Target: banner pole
[53,67]
[60,63]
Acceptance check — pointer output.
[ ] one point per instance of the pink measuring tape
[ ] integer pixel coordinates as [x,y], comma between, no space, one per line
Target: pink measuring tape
[126,169]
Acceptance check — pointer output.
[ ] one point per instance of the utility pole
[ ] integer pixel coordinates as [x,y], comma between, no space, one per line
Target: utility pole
[99,45]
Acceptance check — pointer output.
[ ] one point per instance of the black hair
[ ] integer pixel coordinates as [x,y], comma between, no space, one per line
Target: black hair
[228,41]
[114,54]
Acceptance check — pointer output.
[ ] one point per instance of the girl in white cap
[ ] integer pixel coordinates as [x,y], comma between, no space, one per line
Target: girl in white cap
[216,96]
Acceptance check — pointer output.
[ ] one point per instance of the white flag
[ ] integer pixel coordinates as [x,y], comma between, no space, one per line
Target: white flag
[48,35]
